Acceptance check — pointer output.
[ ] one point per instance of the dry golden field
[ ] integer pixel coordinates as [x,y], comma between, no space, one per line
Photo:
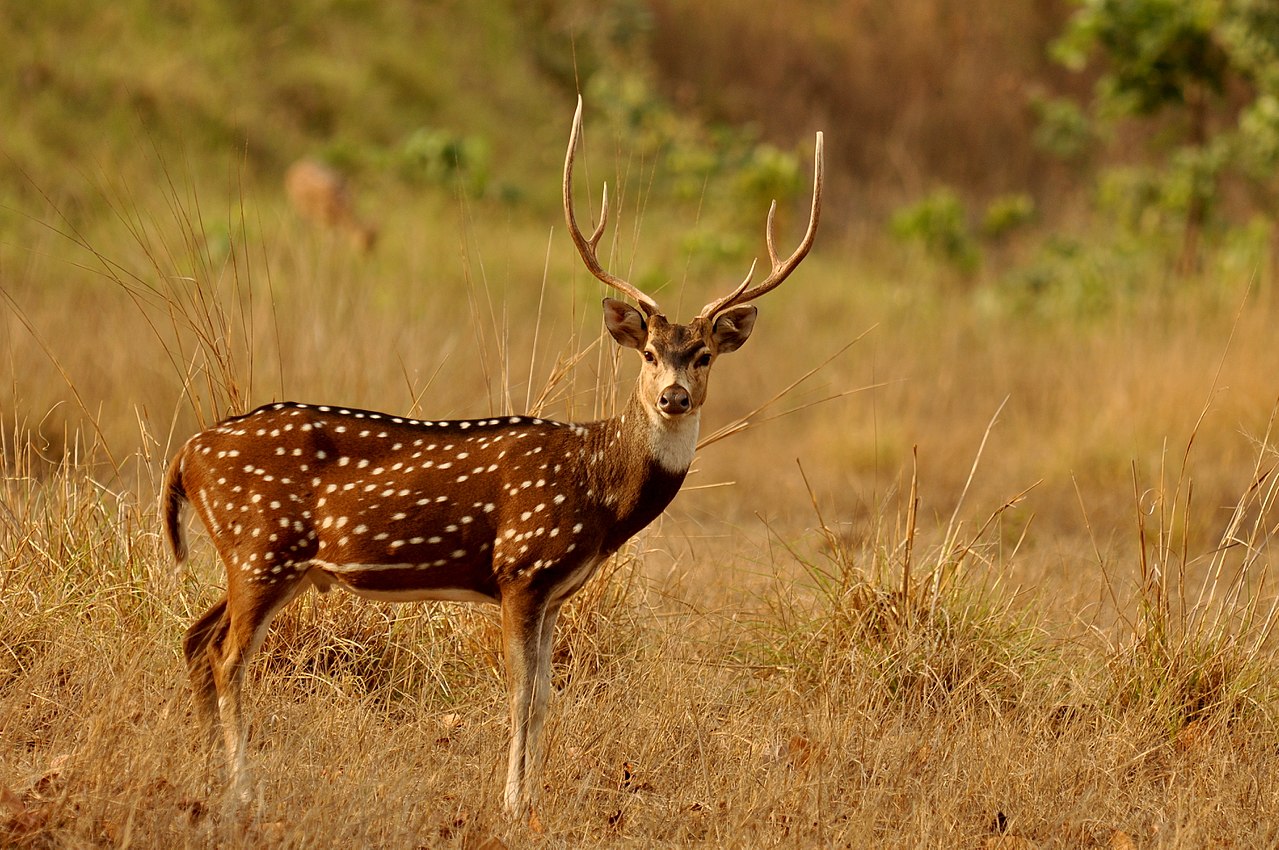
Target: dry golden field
[997,576]
[967,559]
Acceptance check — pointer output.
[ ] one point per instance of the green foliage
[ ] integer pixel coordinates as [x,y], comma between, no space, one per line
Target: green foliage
[1006,214]
[632,108]
[1150,202]
[439,156]
[726,169]
[1257,145]
[1061,128]
[1190,178]
[939,223]
[1132,196]
[263,85]
[574,41]
[1157,51]
[1253,39]
[769,174]
[1182,57]
[712,245]
[1066,279]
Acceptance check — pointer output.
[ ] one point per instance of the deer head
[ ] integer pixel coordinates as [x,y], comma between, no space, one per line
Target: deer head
[678,357]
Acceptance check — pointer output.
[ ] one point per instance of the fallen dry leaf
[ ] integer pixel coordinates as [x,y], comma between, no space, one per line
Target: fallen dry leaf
[1008,842]
[44,783]
[629,779]
[22,826]
[801,753]
[1194,737]
[491,843]
[447,830]
[449,723]
[10,802]
[273,831]
[1119,840]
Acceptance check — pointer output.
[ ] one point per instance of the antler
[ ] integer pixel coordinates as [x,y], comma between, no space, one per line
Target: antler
[781,270]
[587,247]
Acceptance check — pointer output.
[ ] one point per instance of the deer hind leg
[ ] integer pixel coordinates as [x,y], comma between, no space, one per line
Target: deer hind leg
[527,631]
[228,672]
[224,640]
[209,630]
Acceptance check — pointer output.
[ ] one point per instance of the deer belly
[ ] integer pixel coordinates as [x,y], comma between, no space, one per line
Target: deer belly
[413,581]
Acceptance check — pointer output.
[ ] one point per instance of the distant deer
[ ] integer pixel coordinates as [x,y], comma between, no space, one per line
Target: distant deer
[322,195]
[514,510]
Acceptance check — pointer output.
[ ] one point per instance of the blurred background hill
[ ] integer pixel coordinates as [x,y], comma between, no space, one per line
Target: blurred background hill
[954,125]
[910,95]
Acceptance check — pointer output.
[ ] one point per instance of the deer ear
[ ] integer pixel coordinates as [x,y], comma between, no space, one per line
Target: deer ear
[733,327]
[625,323]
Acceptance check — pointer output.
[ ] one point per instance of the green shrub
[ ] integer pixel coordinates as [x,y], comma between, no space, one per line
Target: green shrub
[939,223]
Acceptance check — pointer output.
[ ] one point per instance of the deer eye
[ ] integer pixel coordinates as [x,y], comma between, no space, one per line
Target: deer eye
[703,361]
[648,356]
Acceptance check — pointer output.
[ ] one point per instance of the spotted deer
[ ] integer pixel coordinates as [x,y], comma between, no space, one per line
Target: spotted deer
[514,510]
[322,195]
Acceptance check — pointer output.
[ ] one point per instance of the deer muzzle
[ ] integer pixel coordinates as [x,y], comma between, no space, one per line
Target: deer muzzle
[674,401]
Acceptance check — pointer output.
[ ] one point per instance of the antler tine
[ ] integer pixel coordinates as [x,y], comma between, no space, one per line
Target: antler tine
[587,247]
[781,269]
[715,306]
[768,233]
[599,229]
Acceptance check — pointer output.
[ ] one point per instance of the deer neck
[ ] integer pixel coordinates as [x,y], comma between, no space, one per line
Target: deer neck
[669,443]
[637,462]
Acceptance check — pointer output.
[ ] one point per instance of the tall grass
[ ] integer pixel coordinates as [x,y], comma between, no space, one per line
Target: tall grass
[914,636]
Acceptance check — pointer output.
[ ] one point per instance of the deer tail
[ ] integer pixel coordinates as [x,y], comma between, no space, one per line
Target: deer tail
[172,497]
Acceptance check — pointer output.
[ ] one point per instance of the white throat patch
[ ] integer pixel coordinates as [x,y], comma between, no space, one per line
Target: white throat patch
[673,442]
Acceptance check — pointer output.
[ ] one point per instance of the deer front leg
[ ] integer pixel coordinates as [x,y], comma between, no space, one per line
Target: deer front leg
[527,631]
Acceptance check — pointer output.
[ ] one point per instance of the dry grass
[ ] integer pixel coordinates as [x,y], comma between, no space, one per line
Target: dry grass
[999,596]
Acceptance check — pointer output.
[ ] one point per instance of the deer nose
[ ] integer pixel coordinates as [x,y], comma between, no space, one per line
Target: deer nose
[674,401]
